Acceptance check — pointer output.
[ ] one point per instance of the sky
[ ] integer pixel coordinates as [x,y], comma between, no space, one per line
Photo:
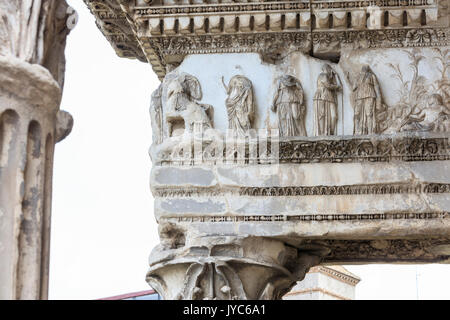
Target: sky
[103,228]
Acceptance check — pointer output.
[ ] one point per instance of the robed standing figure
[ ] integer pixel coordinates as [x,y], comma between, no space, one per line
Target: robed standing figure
[289,105]
[240,104]
[325,103]
[367,100]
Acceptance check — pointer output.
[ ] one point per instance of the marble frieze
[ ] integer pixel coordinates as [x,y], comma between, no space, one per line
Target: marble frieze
[288,134]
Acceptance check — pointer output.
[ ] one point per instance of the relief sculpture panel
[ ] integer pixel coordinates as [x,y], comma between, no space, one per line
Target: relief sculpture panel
[410,88]
[339,114]
[387,92]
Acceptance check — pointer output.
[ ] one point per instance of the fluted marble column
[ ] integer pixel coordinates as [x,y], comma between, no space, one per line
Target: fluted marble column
[31,78]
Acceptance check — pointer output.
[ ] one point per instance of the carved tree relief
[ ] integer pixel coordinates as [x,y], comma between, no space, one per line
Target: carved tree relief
[422,106]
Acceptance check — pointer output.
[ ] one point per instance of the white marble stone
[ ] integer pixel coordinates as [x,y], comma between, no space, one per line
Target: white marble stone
[383,63]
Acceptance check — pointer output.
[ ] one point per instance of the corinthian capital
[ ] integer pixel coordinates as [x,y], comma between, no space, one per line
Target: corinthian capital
[36,31]
[230,269]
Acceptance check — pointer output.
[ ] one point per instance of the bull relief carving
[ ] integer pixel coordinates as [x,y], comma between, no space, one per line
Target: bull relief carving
[289,105]
[180,121]
[183,92]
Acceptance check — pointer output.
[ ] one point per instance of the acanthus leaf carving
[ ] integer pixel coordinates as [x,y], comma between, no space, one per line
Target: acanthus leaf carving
[405,250]
[239,269]
[35,32]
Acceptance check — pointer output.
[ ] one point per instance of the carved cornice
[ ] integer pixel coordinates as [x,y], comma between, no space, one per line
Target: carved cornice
[163,33]
[348,3]
[275,6]
[333,273]
[386,38]
[377,148]
[371,3]
[309,291]
[226,43]
[398,250]
[394,188]
[296,191]
[113,23]
[227,8]
[310,217]
[360,149]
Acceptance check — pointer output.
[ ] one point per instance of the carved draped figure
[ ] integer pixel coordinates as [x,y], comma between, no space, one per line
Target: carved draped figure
[325,103]
[156,115]
[240,104]
[367,100]
[288,103]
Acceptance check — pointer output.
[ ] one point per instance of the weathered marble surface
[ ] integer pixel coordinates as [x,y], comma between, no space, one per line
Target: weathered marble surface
[32,37]
[358,172]
[165,32]
[404,76]
[36,31]
[318,200]
[229,268]
[378,197]
[325,283]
